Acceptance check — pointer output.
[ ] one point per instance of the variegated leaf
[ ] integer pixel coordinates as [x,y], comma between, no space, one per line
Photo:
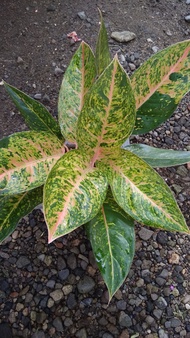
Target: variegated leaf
[102,55]
[142,193]
[112,236]
[26,159]
[35,114]
[77,80]
[159,158]
[13,208]
[159,85]
[74,192]
[108,115]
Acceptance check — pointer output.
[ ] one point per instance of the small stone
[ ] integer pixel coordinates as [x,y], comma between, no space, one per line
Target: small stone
[57,295]
[63,274]
[50,303]
[187,18]
[50,284]
[38,334]
[174,258]
[41,317]
[107,335]
[162,334]
[124,319]
[162,237]
[67,289]
[149,320]
[145,234]
[81,333]
[168,32]
[57,323]
[157,313]
[61,263]
[160,281]
[155,49]
[124,36]
[68,322]
[132,66]
[124,334]
[22,262]
[46,99]
[38,96]
[71,261]
[85,285]
[175,322]
[82,15]
[71,301]
[5,331]
[58,71]
[19,60]
[188,2]
[186,299]
[51,8]
[19,307]
[161,303]
[121,305]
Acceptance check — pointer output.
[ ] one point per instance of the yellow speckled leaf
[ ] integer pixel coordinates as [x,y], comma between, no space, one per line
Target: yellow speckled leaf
[73,194]
[77,80]
[108,115]
[160,84]
[142,193]
[26,159]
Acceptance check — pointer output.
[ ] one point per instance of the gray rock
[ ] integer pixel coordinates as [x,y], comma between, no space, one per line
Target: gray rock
[85,285]
[22,262]
[121,305]
[71,301]
[58,71]
[161,303]
[187,18]
[41,317]
[57,295]
[19,60]
[132,66]
[57,323]
[124,36]
[61,263]
[107,335]
[50,284]
[188,2]
[51,8]
[149,320]
[5,331]
[124,319]
[175,322]
[37,96]
[155,49]
[145,234]
[157,313]
[162,237]
[82,15]
[38,334]
[162,334]
[71,261]
[68,322]
[81,333]
[63,274]
[160,281]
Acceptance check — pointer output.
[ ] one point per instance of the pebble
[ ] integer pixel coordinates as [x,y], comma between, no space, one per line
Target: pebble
[187,18]
[124,319]
[81,333]
[155,49]
[57,323]
[161,303]
[124,36]
[162,334]
[174,258]
[71,301]
[57,295]
[37,96]
[188,2]
[145,234]
[22,262]
[5,330]
[20,61]
[58,71]
[85,284]
[162,237]
[71,261]
[82,15]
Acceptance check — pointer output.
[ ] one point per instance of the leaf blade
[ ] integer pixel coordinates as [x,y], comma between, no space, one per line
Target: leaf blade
[142,193]
[73,194]
[112,236]
[102,54]
[26,159]
[77,80]
[13,208]
[110,103]
[159,158]
[159,85]
[35,114]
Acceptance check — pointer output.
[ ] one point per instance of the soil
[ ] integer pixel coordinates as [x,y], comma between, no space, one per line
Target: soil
[34,43]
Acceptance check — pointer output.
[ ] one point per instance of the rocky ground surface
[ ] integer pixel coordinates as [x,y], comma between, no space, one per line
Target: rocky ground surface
[56,290]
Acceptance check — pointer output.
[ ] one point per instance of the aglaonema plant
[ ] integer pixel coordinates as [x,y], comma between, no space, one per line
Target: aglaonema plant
[101,183]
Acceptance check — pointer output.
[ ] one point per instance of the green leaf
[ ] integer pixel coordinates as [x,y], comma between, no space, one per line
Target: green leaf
[74,192]
[160,84]
[142,193]
[77,80]
[159,158]
[35,114]
[13,208]
[102,54]
[112,237]
[26,159]
[109,104]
